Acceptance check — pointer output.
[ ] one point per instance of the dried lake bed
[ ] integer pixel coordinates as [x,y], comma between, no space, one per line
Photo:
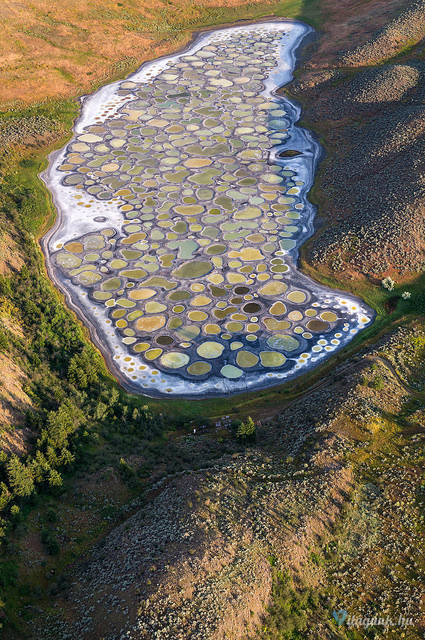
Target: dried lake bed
[182,204]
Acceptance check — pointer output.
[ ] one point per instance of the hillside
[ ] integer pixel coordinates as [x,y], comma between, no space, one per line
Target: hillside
[126,517]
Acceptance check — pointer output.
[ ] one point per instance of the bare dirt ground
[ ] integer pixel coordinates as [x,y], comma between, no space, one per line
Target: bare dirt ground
[10,256]
[13,404]
[350,23]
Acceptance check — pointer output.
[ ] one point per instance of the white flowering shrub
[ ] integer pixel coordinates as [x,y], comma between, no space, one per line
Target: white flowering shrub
[388,283]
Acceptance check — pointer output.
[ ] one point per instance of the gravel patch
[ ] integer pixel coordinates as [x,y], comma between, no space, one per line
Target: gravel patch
[404,30]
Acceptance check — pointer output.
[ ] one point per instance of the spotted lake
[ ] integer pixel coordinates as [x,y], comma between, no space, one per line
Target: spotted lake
[182,203]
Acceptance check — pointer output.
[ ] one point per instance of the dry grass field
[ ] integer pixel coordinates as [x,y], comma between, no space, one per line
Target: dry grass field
[59,49]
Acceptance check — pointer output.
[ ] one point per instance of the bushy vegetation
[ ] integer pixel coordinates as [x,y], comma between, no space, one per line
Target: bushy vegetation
[246,430]
[291,611]
[74,400]
[68,387]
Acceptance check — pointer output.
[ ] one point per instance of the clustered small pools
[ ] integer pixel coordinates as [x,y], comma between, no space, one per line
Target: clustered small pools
[198,279]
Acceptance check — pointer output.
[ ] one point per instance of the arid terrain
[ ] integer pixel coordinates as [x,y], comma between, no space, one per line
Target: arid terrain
[259,516]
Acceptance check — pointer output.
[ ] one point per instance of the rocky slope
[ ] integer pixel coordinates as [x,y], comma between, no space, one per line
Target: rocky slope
[199,561]
[371,187]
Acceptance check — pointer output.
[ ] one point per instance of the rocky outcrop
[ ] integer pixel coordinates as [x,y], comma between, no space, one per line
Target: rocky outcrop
[372,182]
[405,30]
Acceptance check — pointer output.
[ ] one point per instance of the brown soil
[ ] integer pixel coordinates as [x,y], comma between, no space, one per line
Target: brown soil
[13,404]
[349,23]
[10,256]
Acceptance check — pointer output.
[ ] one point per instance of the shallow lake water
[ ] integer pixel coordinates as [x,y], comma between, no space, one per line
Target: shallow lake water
[182,204]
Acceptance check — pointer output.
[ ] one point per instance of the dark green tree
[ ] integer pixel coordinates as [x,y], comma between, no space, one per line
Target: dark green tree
[20,477]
